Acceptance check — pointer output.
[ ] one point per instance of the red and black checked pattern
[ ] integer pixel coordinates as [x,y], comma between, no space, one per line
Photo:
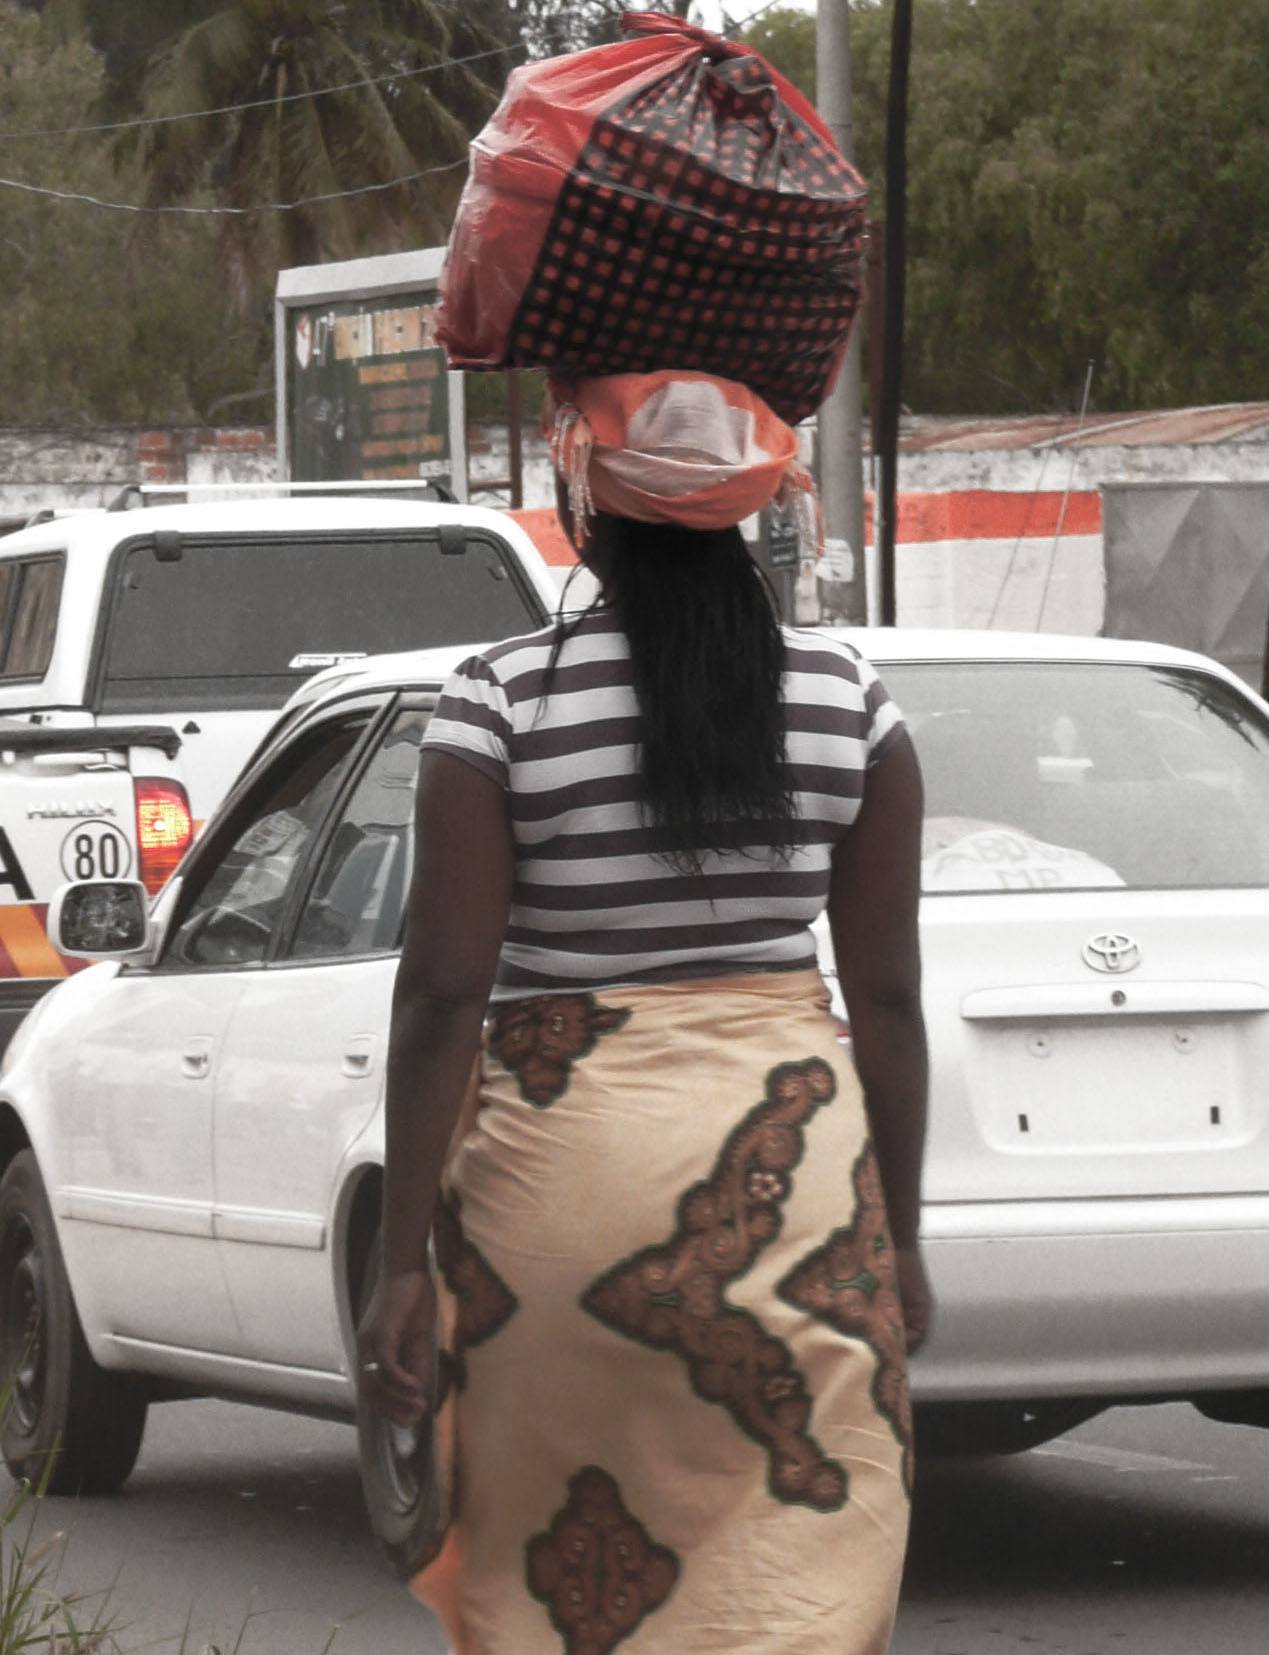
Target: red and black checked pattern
[703,227]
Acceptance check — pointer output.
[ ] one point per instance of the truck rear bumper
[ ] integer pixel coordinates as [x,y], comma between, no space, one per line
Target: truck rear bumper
[17,996]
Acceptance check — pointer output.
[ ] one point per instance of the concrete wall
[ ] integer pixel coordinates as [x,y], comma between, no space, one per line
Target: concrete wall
[65,469]
[1006,537]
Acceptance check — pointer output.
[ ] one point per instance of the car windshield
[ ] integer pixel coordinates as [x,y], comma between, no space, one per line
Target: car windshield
[239,623]
[1064,776]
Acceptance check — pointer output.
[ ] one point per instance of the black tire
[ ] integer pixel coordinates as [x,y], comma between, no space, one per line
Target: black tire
[404,1500]
[68,1426]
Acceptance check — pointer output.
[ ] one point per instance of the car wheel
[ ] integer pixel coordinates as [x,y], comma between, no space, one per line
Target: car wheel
[399,1478]
[68,1426]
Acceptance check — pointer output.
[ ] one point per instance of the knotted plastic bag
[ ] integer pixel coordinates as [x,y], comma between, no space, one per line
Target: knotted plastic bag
[670,201]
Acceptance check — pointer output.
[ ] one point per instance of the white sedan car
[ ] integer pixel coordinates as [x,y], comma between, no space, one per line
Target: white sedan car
[192,1131]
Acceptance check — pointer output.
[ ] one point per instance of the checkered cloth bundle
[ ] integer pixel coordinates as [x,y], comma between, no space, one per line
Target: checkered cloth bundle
[670,201]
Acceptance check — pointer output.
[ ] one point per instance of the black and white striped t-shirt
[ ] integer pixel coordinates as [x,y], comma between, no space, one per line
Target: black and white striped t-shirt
[592,906]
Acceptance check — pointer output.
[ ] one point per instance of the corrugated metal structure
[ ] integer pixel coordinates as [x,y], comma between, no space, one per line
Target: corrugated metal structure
[1157,428]
[1188,563]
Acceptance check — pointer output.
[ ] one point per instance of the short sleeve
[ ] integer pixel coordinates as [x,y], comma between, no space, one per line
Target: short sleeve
[473,720]
[885,721]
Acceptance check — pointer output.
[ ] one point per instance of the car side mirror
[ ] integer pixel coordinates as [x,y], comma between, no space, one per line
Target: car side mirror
[100,919]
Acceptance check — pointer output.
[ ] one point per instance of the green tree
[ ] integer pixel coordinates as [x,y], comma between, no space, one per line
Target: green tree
[1086,182]
[93,335]
[786,38]
[348,145]
[551,27]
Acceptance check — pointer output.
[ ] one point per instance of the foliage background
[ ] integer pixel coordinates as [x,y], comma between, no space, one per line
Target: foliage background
[1088,182]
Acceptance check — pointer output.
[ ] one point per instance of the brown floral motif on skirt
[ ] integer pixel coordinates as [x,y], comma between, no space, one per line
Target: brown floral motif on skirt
[539,1040]
[483,1302]
[850,1283]
[671,1296]
[597,1570]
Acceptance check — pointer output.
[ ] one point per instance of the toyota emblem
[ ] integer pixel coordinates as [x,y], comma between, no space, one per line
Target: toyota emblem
[1111,951]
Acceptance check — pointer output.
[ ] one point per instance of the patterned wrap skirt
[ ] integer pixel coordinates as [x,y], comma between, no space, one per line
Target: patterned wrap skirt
[675,1413]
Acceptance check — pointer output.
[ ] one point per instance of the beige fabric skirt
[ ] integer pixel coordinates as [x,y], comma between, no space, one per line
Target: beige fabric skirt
[676,1414]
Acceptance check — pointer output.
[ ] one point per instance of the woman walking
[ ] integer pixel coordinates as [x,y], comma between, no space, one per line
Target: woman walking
[674,1302]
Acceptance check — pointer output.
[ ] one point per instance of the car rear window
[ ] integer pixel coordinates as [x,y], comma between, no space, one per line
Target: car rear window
[1066,776]
[239,623]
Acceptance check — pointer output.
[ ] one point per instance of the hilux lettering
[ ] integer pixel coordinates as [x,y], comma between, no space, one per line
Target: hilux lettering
[61,812]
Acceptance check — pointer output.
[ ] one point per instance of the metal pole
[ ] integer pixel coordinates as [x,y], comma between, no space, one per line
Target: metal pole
[515,437]
[841,471]
[896,256]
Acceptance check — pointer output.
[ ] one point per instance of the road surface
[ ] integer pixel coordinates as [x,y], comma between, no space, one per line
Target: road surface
[1146,1532]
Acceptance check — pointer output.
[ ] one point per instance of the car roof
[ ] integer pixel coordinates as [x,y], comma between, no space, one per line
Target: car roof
[307,513]
[894,644]
[883,645]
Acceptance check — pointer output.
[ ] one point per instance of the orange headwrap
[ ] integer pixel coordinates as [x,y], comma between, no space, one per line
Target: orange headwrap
[676,447]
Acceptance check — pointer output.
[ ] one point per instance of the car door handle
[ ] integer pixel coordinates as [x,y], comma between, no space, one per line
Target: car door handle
[196,1058]
[359,1057]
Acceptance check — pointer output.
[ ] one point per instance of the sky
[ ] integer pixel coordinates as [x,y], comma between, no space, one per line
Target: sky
[738,10]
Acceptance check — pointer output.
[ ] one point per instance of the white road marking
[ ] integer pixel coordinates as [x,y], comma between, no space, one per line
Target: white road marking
[1116,1459]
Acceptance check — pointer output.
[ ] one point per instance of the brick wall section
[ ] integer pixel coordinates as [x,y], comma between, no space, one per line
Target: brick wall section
[65,469]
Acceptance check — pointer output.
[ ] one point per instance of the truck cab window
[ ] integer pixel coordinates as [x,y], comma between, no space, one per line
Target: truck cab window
[30,593]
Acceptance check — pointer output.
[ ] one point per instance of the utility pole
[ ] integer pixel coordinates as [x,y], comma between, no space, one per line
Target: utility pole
[892,346]
[841,465]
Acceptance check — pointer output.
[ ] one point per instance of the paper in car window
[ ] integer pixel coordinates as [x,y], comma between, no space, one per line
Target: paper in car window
[270,834]
[962,855]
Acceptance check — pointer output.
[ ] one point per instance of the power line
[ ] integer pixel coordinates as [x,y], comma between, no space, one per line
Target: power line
[228,212]
[738,25]
[257,103]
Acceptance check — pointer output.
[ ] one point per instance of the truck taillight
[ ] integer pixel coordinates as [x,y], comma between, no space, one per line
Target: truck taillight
[164,829]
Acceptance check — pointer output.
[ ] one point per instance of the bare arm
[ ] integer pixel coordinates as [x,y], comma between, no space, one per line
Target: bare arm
[456,914]
[872,911]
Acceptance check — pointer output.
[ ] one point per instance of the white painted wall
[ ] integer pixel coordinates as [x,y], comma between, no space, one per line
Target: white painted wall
[1028,585]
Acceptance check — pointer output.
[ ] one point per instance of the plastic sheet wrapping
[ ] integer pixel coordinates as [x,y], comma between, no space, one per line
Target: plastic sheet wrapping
[670,201]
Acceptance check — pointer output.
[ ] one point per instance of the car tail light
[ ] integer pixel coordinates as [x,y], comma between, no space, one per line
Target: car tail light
[164,829]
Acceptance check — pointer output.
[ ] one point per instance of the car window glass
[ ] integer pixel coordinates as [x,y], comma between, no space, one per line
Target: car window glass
[355,903]
[34,624]
[241,623]
[1056,776]
[232,919]
[10,573]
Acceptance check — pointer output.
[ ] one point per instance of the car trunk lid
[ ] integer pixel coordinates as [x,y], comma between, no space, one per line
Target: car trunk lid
[1113,1044]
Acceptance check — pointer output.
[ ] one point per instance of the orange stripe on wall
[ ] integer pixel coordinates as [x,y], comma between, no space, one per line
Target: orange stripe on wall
[543,528]
[966,514]
[22,934]
[993,514]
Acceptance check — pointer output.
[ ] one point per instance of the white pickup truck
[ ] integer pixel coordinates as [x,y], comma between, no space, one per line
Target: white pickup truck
[145,653]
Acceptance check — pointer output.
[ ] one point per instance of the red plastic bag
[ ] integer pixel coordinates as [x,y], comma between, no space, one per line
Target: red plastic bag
[670,201]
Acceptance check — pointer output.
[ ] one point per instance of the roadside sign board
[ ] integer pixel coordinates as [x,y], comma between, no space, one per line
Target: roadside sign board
[782,538]
[363,390]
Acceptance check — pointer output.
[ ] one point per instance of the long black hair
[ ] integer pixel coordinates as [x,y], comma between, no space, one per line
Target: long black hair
[707,656]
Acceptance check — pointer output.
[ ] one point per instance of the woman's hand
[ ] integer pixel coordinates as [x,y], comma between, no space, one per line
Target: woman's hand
[395,1346]
[915,1295]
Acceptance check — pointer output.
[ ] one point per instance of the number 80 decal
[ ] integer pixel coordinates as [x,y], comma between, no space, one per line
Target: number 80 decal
[96,850]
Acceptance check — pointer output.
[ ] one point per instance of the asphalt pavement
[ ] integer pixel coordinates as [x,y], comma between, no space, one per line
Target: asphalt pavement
[1146,1532]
